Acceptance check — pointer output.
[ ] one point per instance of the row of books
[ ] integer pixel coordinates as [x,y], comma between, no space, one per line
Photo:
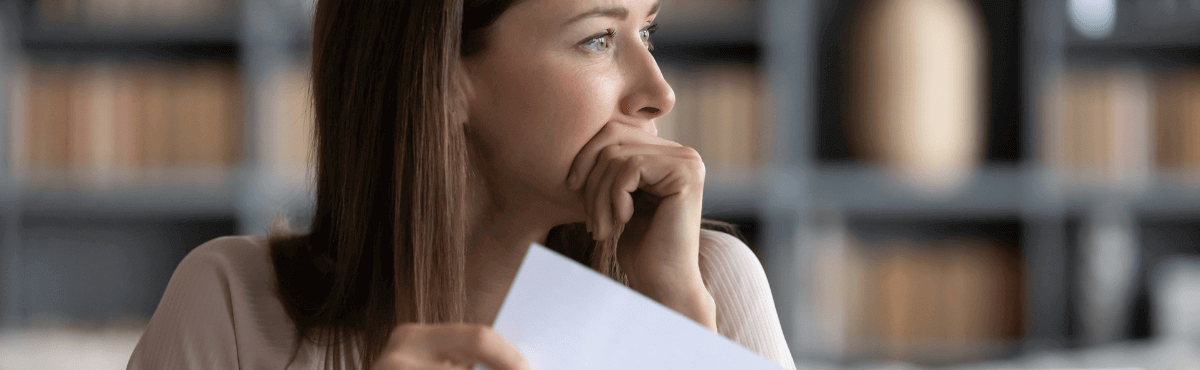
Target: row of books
[936,301]
[720,110]
[117,118]
[1118,125]
[168,13]
[1178,119]
[1109,123]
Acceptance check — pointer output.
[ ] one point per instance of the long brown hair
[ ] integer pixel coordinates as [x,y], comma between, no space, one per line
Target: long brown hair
[386,243]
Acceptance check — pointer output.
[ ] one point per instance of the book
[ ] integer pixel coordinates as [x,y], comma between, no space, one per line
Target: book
[1100,131]
[927,301]
[1177,121]
[99,122]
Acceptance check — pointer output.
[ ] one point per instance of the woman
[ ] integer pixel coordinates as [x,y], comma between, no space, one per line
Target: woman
[449,137]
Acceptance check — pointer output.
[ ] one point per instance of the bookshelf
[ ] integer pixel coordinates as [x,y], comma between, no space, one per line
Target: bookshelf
[816,188]
[73,219]
[798,189]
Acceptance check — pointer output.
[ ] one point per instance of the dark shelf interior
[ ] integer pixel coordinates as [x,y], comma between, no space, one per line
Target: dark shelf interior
[210,39]
[64,257]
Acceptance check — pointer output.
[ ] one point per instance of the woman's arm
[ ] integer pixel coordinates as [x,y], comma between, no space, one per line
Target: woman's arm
[745,308]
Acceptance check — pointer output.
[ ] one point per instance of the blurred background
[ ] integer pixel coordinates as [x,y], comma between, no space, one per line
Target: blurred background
[929,183]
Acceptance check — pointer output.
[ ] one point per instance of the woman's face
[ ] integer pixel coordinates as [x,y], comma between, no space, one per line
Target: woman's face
[555,72]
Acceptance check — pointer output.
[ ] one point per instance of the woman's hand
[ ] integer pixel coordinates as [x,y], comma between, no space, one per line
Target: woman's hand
[655,187]
[448,346]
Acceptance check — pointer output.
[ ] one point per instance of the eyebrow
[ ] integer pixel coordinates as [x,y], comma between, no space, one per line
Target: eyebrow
[618,12]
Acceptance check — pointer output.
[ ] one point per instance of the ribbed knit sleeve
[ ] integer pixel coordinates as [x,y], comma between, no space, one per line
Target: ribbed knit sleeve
[745,308]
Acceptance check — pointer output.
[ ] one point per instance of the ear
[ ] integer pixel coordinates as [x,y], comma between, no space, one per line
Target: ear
[464,93]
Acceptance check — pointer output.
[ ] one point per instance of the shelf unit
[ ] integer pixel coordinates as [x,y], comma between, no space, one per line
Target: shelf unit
[808,195]
[187,205]
[795,196]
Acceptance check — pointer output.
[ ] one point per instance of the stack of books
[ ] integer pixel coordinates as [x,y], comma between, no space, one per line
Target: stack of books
[1177,95]
[108,120]
[1099,129]
[933,302]
[1118,125]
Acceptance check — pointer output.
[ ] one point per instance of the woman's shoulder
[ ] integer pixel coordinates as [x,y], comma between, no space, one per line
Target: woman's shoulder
[721,248]
[227,267]
[745,307]
[728,265]
[240,265]
[228,251]
[220,306]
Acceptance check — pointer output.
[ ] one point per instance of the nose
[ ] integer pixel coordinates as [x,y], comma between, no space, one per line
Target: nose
[648,95]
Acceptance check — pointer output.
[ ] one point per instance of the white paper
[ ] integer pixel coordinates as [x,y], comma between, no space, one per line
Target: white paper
[563,316]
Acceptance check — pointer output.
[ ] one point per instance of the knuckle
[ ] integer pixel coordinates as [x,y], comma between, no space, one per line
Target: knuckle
[610,152]
[696,167]
[637,160]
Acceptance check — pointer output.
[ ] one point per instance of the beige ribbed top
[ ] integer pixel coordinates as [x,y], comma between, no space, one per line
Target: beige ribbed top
[219,310]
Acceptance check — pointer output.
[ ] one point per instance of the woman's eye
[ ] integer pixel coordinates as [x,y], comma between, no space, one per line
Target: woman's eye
[600,43]
[645,34]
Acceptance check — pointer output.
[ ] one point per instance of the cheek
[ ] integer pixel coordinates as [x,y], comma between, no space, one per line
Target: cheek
[540,117]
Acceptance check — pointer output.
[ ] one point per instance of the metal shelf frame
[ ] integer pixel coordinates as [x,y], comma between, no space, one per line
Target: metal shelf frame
[10,206]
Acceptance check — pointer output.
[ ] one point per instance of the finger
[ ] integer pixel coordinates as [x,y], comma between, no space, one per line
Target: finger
[612,133]
[472,344]
[624,150]
[590,188]
[662,177]
[602,202]
[624,184]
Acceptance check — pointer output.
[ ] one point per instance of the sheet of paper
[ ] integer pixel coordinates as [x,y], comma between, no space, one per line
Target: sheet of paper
[564,316]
